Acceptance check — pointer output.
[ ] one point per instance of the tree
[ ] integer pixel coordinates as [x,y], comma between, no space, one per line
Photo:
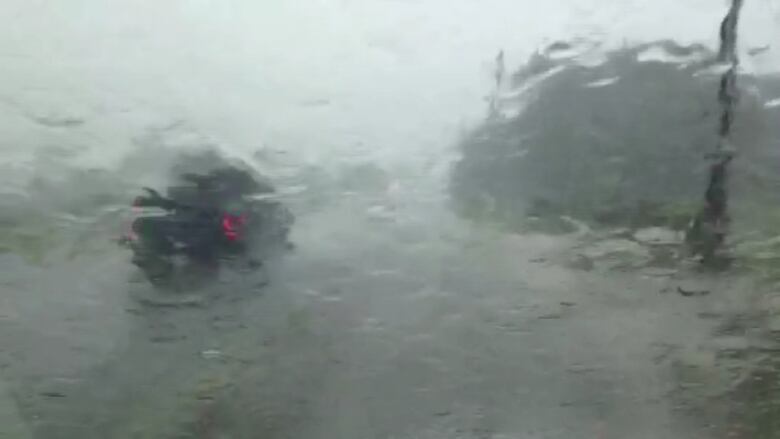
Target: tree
[619,142]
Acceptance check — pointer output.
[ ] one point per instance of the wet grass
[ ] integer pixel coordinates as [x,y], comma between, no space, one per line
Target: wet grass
[732,393]
[31,242]
[42,238]
[755,402]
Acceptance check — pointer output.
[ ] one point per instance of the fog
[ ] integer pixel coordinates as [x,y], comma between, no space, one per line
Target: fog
[313,77]
[393,317]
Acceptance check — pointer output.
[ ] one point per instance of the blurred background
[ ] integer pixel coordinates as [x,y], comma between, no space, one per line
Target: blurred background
[489,197]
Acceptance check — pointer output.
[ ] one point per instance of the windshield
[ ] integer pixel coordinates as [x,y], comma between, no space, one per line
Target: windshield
[438,219]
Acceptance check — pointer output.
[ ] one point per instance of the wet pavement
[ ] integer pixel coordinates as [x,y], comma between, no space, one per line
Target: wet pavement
[386,321]
[392,318]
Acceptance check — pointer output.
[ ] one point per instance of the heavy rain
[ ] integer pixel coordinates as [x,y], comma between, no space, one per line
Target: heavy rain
[502,219]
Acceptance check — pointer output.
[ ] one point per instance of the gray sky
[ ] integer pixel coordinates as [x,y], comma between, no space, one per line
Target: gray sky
[387,78]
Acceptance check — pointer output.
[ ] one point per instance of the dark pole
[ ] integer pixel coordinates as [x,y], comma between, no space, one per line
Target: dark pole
[708,229]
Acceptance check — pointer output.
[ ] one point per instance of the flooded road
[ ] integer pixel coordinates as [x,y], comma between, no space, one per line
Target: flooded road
[425,327]
[392,317]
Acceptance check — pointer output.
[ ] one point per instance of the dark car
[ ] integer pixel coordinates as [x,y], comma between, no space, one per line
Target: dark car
[205,219]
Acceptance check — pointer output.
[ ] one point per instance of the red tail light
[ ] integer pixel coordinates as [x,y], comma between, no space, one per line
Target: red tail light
[130,234]
[231,225]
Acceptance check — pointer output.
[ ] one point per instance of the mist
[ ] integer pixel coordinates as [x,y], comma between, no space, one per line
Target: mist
[309,77]
[392,316]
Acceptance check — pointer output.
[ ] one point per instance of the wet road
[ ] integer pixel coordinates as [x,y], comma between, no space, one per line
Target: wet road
[389,320]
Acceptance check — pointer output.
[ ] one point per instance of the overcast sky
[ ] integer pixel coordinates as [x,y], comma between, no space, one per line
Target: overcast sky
[385,77]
